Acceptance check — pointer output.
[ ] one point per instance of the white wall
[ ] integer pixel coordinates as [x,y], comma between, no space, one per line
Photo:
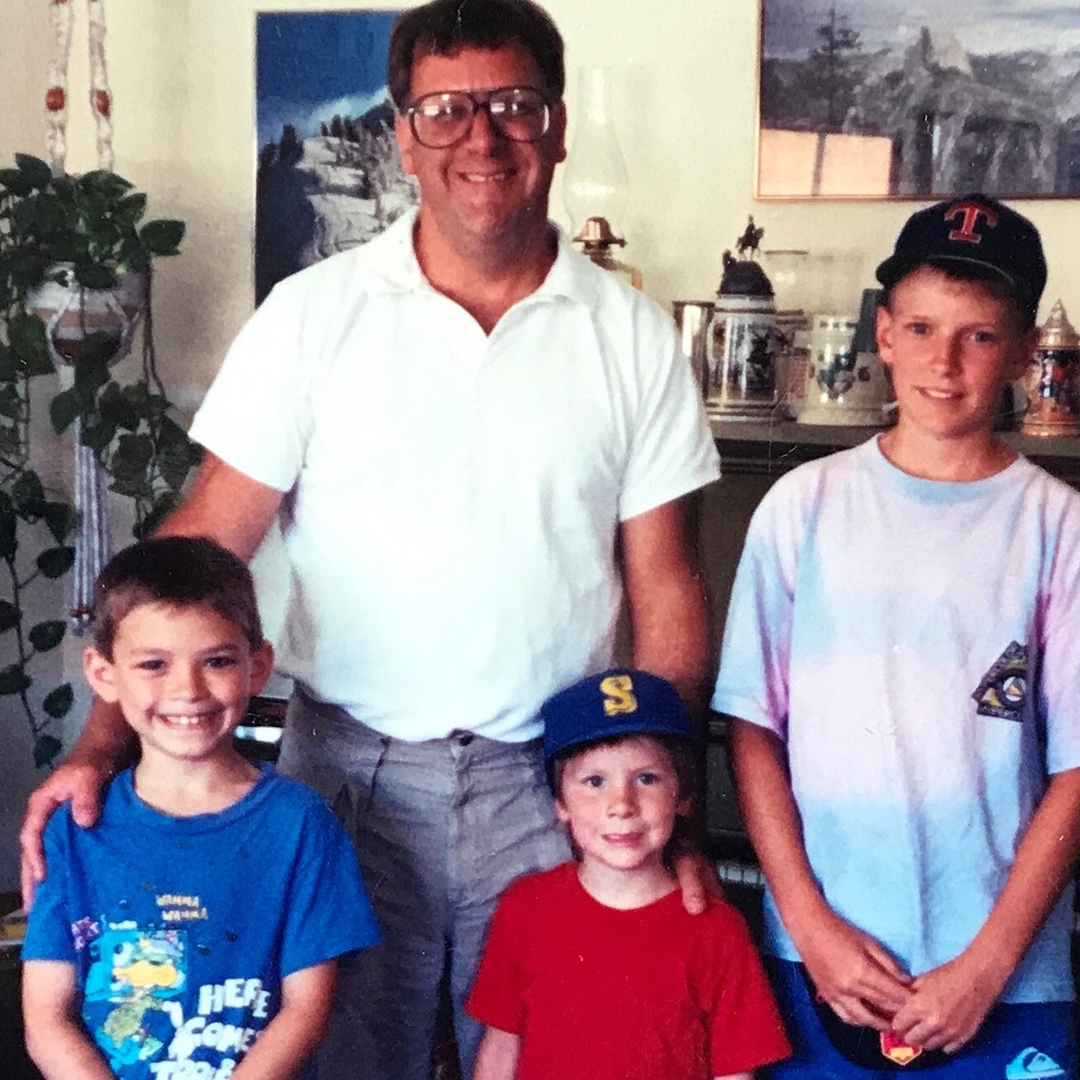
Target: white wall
[182,73]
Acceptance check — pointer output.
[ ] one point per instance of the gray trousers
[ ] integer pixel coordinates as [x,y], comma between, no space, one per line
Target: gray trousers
[440,829]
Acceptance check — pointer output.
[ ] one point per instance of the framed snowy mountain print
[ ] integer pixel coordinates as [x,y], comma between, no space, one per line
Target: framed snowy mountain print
[328,172]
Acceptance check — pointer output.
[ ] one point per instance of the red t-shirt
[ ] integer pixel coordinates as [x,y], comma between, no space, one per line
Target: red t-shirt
[647,994]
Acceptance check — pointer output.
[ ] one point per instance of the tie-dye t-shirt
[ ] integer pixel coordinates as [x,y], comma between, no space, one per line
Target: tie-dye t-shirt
[915,645]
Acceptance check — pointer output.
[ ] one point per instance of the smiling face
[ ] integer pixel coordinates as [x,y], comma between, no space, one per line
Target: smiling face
[182,676]
[485,191]
[620,802]
[951,346]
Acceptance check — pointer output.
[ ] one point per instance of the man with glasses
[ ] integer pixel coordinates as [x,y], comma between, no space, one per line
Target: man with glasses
[479,443]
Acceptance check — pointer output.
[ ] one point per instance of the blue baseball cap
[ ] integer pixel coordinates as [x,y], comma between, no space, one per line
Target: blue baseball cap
[976,230]
[619,701]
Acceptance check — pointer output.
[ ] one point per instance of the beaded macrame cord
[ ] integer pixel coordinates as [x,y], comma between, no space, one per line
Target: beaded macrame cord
[93,541]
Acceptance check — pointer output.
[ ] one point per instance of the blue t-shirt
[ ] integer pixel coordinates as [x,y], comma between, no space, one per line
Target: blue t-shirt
[182,929]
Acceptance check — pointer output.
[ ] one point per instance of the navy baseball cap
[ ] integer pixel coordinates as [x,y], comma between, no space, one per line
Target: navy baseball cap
[619,701]
[976,230]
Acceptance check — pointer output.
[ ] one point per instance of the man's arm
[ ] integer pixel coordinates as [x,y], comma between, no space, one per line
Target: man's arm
[56,1039]
[296,1031]
[227,506]
[853,972]
[498,1055]
[668,603]
[671,628]
[230,508]
[951,1001]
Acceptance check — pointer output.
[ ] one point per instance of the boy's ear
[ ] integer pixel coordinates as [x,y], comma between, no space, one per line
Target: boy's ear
[1025,353]
[883,333]
[262,664]
[561,811]
[100,673]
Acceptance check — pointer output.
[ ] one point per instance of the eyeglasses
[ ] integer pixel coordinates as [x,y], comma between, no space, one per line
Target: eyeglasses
[441,119]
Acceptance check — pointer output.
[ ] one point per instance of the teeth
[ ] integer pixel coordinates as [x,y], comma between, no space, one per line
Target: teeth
[184,721]
[485,178]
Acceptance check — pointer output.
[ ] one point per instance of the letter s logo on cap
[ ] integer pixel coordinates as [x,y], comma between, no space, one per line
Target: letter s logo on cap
[618,691]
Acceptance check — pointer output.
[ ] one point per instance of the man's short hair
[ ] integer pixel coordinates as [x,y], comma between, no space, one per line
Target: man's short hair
[184,571]
[443,27]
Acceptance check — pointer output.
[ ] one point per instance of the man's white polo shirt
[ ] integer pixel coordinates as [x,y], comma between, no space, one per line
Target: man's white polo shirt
[453,497]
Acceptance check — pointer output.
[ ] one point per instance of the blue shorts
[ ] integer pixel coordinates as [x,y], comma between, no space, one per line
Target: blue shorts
[1015,1042]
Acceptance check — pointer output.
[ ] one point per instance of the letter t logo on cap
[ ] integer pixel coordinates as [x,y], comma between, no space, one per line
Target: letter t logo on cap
[970,212]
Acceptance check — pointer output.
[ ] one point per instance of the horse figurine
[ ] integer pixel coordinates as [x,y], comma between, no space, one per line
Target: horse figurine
[749,244]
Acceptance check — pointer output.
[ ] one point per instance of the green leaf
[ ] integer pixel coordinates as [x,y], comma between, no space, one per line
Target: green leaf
[14,181]
[10,440]
[95,275]
[61,520]
[177,454]
[8,370]
[97,436]
[14,680]
[91,374]
[115,408]
[28,496]
[55,562]
[46,748]
[58,702]
[11,404]
[8,525]
[48,216]
[163,236]
[163,506]
[133,453]
[9,616]
[101,183]
[63,409]
[46,635]
[36,172]
[130,209]
[26,335]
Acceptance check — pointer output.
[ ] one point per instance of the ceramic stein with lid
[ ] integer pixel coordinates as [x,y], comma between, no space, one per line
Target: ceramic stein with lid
[744,343]
[1050,381]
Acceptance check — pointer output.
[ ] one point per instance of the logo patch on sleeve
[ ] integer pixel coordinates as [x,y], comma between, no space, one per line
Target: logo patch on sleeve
[1003,690]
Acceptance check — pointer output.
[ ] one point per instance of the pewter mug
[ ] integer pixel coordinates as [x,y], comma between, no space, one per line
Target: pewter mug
[693,318]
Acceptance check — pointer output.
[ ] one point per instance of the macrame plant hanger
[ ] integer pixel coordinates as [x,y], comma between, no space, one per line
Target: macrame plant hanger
[93,540]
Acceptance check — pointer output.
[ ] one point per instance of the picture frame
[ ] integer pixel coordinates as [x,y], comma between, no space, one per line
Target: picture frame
[873,99]
[328,173]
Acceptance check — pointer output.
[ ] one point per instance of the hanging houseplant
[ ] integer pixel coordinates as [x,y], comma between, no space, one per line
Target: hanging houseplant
[75,274]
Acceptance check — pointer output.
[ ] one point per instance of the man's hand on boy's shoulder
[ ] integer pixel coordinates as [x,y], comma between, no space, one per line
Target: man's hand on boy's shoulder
[79,781]
[697,880]
[948,1005]
[855,974]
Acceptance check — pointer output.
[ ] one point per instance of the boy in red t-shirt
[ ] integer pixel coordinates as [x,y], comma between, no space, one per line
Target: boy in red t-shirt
[595,969]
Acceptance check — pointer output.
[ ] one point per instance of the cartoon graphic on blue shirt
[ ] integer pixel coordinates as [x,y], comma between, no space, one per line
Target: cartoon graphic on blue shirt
[136,971]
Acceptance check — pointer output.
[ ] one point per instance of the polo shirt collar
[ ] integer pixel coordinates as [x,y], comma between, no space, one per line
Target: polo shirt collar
[396,269]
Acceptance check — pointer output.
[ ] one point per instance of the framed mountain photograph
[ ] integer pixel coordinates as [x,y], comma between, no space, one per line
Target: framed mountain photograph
[328,171]
[890,98]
